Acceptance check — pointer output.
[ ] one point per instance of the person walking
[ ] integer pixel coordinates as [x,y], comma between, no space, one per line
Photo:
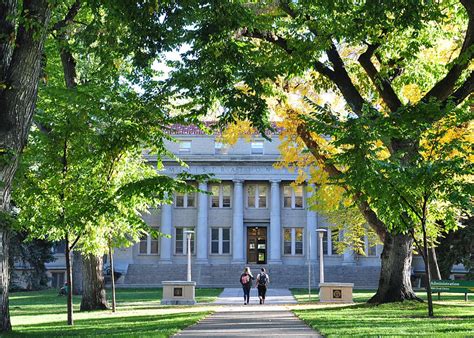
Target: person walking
[246,281]
[262,283]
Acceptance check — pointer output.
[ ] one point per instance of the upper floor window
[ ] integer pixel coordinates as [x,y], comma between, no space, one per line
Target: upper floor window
[182,200]
[185,147]
[220,241]
[221,148]
[148,245]
[369,247]
[257,196]
[293,241]
[256,147]
[181,241]
[58,247]
[220,196]
[293,197]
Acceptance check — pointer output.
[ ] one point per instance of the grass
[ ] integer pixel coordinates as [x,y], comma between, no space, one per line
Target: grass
[453,316]
[139,313]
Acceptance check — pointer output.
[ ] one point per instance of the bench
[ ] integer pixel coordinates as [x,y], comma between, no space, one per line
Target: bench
[455,286]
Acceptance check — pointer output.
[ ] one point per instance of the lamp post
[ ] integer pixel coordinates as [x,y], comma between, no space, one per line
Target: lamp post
[321,233]
[189,234]
[309,267]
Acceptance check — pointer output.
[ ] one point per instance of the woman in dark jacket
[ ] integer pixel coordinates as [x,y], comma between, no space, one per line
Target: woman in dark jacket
[246,281]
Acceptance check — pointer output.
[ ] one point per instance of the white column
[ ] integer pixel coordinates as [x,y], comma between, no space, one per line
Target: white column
[275,224]
[238,223]
[348,256]
[202,226]
[311,223]
[166,228]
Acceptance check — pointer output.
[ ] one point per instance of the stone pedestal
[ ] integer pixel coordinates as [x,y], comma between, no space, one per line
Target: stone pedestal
[178,293]
[335,292]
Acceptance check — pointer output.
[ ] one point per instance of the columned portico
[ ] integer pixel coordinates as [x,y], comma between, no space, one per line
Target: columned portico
[311,223]
[275,223]
[166,228]
[238,223]
[202,228]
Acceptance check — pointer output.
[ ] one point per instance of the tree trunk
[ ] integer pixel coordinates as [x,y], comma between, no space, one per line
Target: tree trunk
[77,277]
[70,320]
[394,282]
[434,267]
[93,295]
[112,274]
[21,47]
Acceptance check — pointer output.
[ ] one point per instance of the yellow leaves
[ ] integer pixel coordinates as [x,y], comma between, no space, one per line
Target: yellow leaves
[411,92]
[237,130]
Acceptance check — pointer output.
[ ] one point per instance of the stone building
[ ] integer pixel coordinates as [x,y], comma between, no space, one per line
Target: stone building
[254,217]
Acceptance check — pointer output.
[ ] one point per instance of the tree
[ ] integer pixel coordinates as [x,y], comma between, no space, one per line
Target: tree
[390,47]
[22,35]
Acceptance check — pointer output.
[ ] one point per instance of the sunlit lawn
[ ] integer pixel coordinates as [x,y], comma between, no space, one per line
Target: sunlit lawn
[139,313]
[453,316]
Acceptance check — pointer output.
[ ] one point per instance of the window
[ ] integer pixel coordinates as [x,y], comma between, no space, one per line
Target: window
[221,148]
[220,196]
[57,279]
[185,147]
[330,239]
[293,197]
[369,248]
[181,242]
[220,241]
[257,196]
[256,148]
[293,241]
[58,247]
[185,200]
[148,245]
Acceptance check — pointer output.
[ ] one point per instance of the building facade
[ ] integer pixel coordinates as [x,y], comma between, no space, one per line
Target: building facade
[252,216]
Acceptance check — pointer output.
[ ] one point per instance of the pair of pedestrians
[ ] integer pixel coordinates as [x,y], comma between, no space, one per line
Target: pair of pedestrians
[261,283]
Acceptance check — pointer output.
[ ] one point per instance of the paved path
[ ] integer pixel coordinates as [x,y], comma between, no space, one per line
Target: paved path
[235,296]
[233,319]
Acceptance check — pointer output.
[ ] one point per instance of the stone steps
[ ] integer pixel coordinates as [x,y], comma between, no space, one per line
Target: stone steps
[227,275]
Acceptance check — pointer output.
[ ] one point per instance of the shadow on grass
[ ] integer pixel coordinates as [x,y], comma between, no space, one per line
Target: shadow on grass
[153,325]
[408,318]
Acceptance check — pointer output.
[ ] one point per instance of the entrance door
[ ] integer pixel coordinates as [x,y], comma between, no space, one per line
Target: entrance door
[257,245]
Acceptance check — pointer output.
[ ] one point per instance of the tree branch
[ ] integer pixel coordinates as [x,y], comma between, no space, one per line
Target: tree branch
[68,19]
[382,85]
[266,36]
[364,207]
[464,90]
[445,87]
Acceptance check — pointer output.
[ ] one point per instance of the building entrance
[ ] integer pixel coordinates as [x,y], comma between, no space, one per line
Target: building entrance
[257,245]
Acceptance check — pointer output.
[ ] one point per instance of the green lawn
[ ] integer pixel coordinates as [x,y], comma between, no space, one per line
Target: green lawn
[139,313]
[453,317]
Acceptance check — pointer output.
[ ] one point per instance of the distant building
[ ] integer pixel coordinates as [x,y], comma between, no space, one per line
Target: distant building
[254,217]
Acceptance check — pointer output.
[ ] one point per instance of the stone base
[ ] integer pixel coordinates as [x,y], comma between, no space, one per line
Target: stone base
[335,292]
[178,293]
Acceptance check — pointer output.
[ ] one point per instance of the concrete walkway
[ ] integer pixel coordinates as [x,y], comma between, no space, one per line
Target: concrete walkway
[235,296]
[233,319]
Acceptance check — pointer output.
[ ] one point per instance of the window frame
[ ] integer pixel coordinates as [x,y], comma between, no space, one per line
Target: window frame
[256,197]
[222,149]
[185,200]
[220,240]
[293,197]
[220,196]
[293,241]
[185,241]
[148,244]
[256,150]
[185,150]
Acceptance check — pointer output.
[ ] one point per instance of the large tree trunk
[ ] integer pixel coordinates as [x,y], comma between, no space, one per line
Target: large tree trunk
[93,295]
[394,282]
[21,47]
[77,276]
